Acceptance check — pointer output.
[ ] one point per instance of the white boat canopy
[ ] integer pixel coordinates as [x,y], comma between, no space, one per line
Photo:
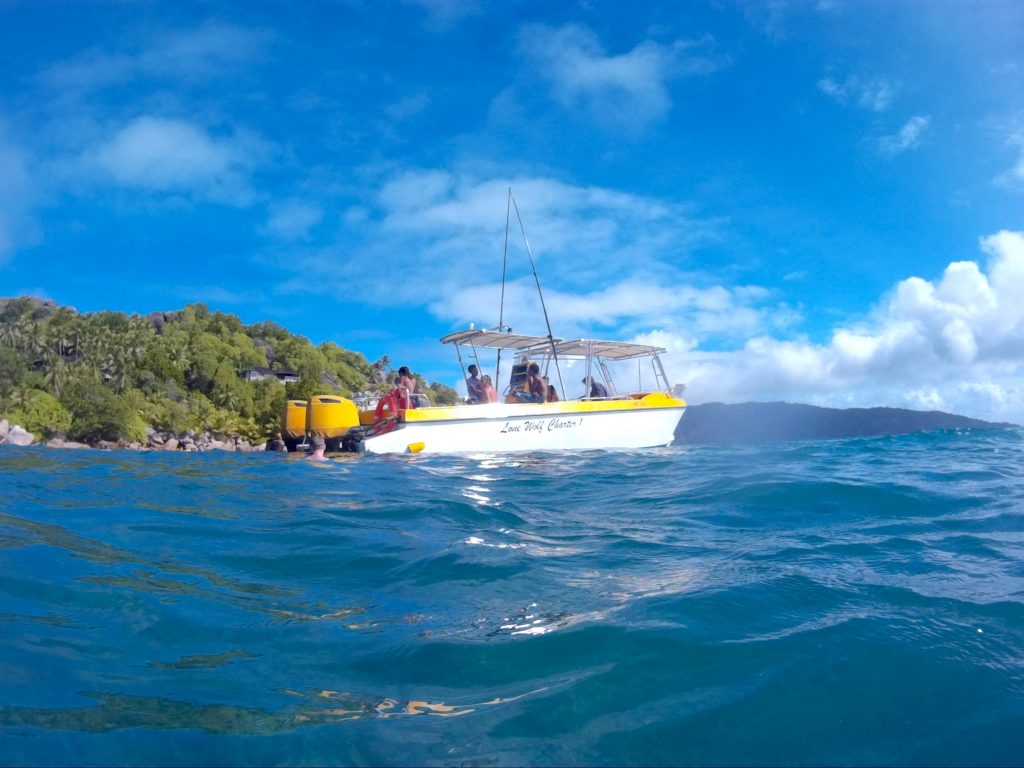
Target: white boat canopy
[596,352]
[487,339]
[609,350]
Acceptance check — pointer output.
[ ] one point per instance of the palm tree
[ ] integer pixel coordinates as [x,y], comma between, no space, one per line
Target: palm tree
[57,375]
[24,328]
[22,397]
[10,335]
[116,367]
[61,339]
[35,339]
[179,356]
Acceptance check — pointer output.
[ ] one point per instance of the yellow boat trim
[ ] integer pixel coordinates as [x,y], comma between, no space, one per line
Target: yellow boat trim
[457,412]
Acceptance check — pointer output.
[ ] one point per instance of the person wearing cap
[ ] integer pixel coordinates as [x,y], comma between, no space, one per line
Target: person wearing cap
[596,387]
[317,446]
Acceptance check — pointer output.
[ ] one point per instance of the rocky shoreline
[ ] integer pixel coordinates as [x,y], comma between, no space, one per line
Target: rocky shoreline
[189,442]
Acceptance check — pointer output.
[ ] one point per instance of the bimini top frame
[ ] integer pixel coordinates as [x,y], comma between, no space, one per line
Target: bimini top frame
[596,352]
[609,350]
[496,339]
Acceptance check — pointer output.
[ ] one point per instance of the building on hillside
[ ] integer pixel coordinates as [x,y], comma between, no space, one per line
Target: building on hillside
[261,374]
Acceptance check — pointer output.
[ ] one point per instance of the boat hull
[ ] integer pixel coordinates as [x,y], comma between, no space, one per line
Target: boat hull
[503,428]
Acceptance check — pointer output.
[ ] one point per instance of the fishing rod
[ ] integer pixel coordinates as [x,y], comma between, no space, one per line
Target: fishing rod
[504,269]
[533,266]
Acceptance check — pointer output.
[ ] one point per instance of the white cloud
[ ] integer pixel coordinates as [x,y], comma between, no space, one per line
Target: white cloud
[444,14]
[772,17]
[611,266]
[168,155]
[18,196]
[207,52]
[292,219]
[408,107]
[629,90]
[875,94]
[908,137]
[610,263]
[1014,177]
[214,294]
[955,344]
[635,302]
[443,233]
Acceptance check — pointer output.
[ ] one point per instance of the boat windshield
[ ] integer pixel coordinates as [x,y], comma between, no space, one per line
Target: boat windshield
[607,362]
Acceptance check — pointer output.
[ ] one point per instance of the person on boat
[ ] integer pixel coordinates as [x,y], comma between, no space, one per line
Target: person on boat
[552,392]
[317,446]
[475,387]
[597,389]
[401,394]
[536,390]
[490,393]
[406,380]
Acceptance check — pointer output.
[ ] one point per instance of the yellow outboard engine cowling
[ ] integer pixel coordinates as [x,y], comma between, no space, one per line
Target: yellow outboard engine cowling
[331,417]
[293,423]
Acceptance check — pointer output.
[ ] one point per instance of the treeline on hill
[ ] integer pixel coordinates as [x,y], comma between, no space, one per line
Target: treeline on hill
[108,375]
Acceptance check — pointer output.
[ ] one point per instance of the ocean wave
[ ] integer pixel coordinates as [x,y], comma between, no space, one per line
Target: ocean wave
[861,598]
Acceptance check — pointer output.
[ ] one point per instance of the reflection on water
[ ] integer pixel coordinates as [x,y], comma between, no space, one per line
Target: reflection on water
[205,661]
[117,711]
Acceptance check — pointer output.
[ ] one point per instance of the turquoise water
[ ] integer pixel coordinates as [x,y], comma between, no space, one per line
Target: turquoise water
[846,602]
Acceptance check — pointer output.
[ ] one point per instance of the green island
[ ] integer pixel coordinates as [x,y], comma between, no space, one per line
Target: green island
[188,379]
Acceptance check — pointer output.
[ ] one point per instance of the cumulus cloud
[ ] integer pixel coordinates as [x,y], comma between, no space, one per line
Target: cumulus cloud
[630,89]
[443,232]
[873,94]
[611,267]
[175,156]
[610,263]
[953,344]
[636,302]
[908,137]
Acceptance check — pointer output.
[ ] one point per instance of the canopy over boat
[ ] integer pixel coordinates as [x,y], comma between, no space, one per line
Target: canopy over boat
[573,348]
[488,339]
[609,350]
[596,352]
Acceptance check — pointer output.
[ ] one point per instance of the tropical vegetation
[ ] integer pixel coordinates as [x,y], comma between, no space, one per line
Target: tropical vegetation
[109,376]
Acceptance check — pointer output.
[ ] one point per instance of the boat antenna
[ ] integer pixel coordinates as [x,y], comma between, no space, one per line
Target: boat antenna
[533,266]
[504,270]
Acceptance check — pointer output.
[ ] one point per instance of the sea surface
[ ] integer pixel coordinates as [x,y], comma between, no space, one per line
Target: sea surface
[853,602]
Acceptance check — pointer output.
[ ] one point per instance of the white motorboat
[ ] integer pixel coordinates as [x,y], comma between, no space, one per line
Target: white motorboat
[629,419]
[604,417]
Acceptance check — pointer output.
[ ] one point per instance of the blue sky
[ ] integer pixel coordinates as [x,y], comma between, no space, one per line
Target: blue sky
[811,201]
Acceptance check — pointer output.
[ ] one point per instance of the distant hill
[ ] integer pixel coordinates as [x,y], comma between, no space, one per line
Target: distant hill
[765,422]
